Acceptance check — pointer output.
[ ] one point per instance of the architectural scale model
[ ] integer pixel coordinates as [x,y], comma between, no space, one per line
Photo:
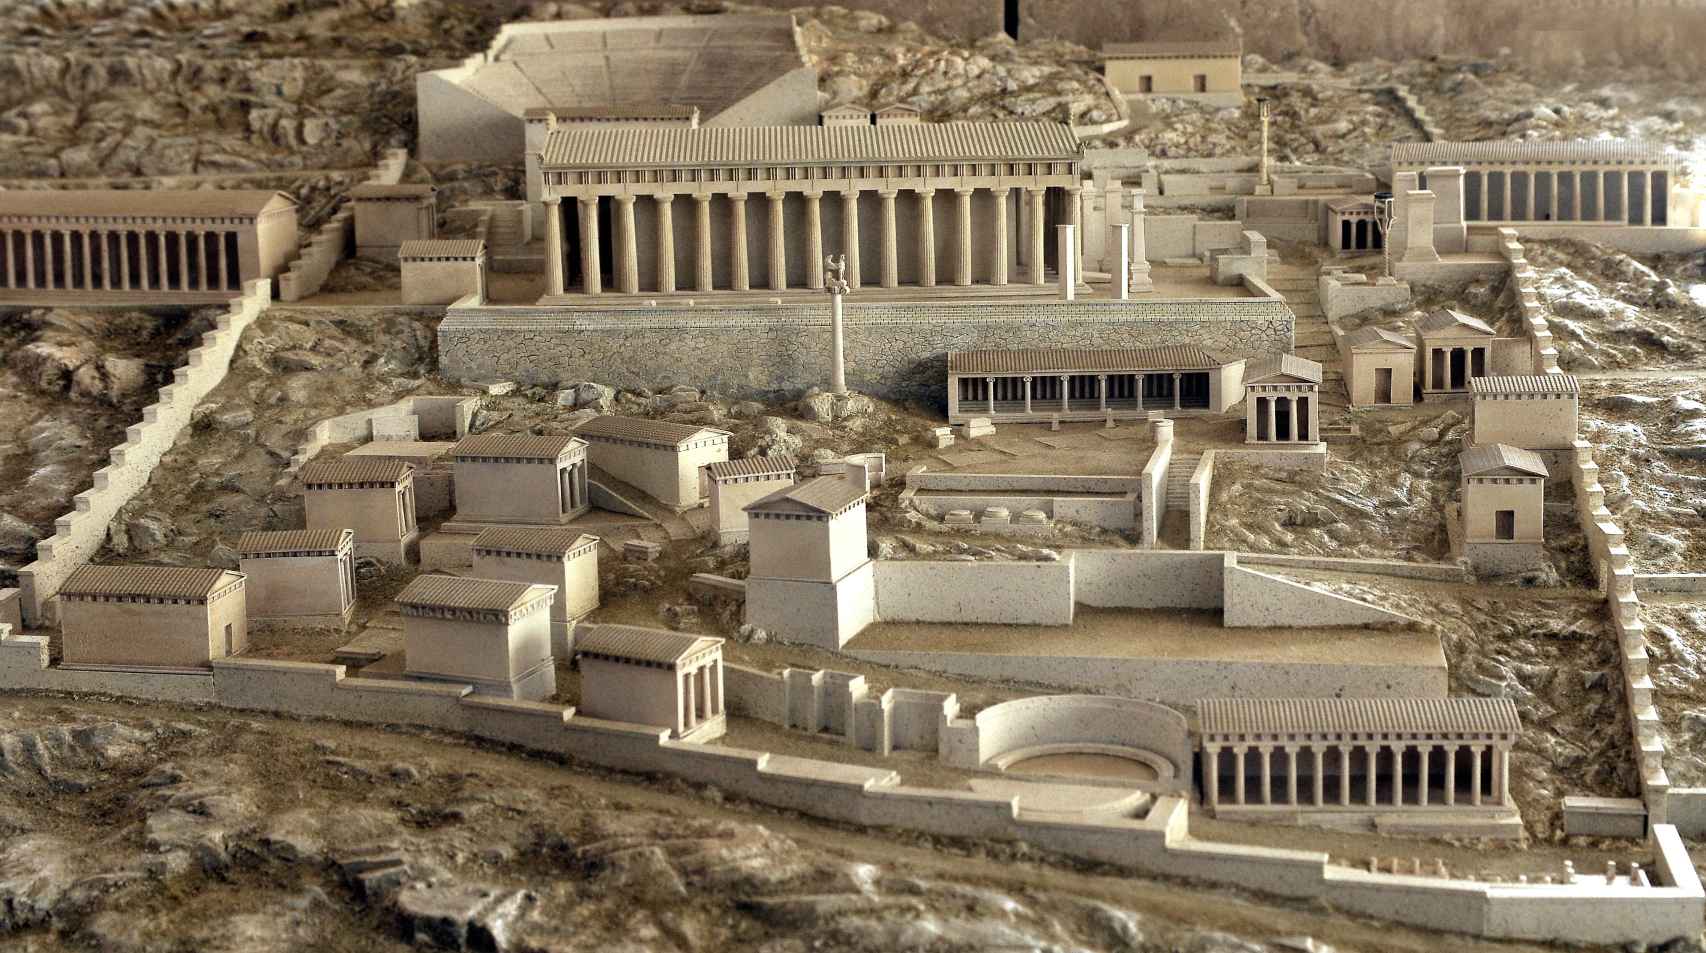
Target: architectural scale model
[732,478]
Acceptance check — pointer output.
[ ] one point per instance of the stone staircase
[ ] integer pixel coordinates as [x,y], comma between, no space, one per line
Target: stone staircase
[1179,471]
[505,230]
[609,493]
[1314,339]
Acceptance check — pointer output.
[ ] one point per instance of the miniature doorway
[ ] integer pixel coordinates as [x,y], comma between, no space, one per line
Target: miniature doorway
[1383,385]
[228,638]
[1282,419]
[1199,83]
[1504,524]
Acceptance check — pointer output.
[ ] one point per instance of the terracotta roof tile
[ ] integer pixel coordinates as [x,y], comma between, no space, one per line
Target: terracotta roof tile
[177,203]
[436,591]
[825,494]
[674,146]
[516,446]
[1369,335]
[780,464]
[1343,715]
[1493,457]
[542,541]
[274,542]
[1445,319]
[1580,150]
[164,582]
[418,248]
[638,643]
[354,470]
[1282,365]
[661,432]
[1525,384]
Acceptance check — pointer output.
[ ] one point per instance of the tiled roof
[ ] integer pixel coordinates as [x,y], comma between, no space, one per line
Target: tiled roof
[1282,365]
[355,470]
[593,113]
[164,582]
[638,643]
[1446,319]
[1364,336]
[1173,357]
[456,592]
[774,465]
[1224,46]
[1493,457]
[1580,150]
[543,541]
[416,248]
[161,202]
[662,432]
[273,542]
[1525,384]
[516,446]
[379,190]
[1270,716]
[825,494]
[678,146]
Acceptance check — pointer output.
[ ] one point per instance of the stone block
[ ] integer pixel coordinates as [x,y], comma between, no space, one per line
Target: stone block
[641,551]
[397,428]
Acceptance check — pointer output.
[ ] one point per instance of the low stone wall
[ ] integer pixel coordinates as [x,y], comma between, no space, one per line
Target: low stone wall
[1525,287]
[1147,578]
[1440,572]
[82,531]
[334,239]
[1670,582]
[894,350]
[1153,507]
[24,665]
[1045,720]
[996,593]
[440,418]
[1202,480]
[1258,600]
[1344,293]
[1634,239]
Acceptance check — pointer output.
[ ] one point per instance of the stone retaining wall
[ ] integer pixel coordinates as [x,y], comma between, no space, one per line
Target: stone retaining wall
[332,241]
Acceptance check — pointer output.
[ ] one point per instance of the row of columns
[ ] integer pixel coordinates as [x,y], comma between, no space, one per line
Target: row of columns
[1034,406]
[626,242]
[1654,183]
[63,249]
[1473,358]
[1267,408]
[1368,753]
[701,697]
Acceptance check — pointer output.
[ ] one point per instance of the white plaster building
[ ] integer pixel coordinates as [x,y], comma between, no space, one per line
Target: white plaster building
[491,634]
[1352,227]
[299,576]
[1090,384]
[520,478]
[1282,396]
[1532,411]
[652,677]
[168,618]
[1379,367]
[736,483]
[1456,347]
[665,460]
[1503,508]
[811,577]
[564,558]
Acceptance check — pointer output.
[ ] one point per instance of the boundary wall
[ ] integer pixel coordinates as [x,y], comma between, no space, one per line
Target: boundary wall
[334,238]
[442,417]
[80,533]
[1202,481]
[1345,292]
[992,593]
[1154,484]
[1157,844]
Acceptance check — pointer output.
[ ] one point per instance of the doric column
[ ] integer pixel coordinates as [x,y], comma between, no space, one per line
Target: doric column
[554,245]
[67,273]
[1397,774]
[1211,775]
[225,279]
[814,241]
[666,242]
[1483,196]
[1038,254]
[628,246]
[1266,755]
[1102,392]
[850,235]
[1450,775]
[1270,409]
[891,268]
[10,275]
[592,282]
[927,238]
[47,256]
[1528,206]
[1344,775]
[1502,774]
[1475,774]
[1294,419]
[123,259]
[1371,754]
[1553,196]
[1291,775]
[778,246]
[1320,778]
[1422,752]
[690,700]
[29,257]
[962,199]
[1027,393]
[1598,195]
[183,261]
[739,277]
[1176,390]
[88,282]
[150,261]
[1238,775]
[998,273]
[702,241]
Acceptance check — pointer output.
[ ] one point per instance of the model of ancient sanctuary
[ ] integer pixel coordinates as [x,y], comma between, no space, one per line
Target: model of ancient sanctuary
[561,478]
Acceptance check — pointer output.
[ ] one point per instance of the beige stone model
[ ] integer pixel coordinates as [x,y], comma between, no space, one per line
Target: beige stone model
[564,558]
[1285,757]
[520,478]
[1282,397]
[1352,227]
[300,576]
[1090,384]
[1380,367]
[1205,70]
[811,578]
[491,634]
[151,617]
[373,496]
[386,216]
[1532,411]
[1503,508]
[435,473]
[660,458]
[736,483]
[652,677]
[1455,348]
[1597,182]
[144,246]
[696,211]
[443,271]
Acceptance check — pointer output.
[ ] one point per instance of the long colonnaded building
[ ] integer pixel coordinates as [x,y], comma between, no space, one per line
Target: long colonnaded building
[1090,384]
[1608,181]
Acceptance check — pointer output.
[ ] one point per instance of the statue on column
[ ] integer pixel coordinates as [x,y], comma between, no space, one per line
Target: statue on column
[835,282]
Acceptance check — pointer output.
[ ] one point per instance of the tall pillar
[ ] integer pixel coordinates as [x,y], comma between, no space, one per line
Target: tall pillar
[225,278]
[123,259]
[1450,775]
[927,238]
[739,276]
[891,268]
[1475,775]
[592,282]
[1291,775]
[1418,226]
[1027,393]
[1022,250]
[1175,390]
[990,383]
[778,244]
[814,241]
[1075,218]
[666,242]
[1371,754]
[702,242]
[1211,775]
[850,235]
[1320,780]
[1266,755]
[1065,392]
[1422,753]
[1122,261]
[554,245]
[1113,216]
[998,273]
[962,206]
[29,257]
[1140,280]
[88,263]
[1102,392]
[1238,775]
[183,262]
[627,247]
[1038,254]
[1344,775]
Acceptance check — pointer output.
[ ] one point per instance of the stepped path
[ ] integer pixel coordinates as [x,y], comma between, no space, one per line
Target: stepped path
[640,503]
[1314,339]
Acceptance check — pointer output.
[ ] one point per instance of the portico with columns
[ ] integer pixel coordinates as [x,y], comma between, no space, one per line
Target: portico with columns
[1293,757]
[1040,384]
[962,207]
[1596,182]
[1282,400]
[1456,348]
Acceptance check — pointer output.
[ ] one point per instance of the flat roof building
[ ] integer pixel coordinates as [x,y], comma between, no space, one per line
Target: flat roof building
[1089,384]
[386,216]
[374,496]
[151,617]
[664,459]
[492,634]
[299,576]
[652,677]
[520,478]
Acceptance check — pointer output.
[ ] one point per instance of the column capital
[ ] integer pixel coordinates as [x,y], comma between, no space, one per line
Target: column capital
[926,192]
[1073,189]
[967,192]
[813,194]
[1101,377]
[626,198]
[1027,378]
[849,193]
[702,197]
[554,200]
[888,194]
[663,198]
[776,196]
[1036,190]
[737,196]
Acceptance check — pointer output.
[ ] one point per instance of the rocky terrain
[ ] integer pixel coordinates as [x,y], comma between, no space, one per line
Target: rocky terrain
[1676,644]
[1651,440]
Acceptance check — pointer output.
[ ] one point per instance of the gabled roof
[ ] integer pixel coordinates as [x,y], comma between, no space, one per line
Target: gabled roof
[355,470]
[1445,319]
[780,464]
[541,541]
[1296,716]
[1525,384]
[309,541]
[1370,338]
[1221,46]
[1490,459]
[1172,357]
[159,582]
[617,147]
[435,591]
[638,644]
[826,495]
[177,203]
[1580,150]
[1276,366]
[514,446]
[663,433]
